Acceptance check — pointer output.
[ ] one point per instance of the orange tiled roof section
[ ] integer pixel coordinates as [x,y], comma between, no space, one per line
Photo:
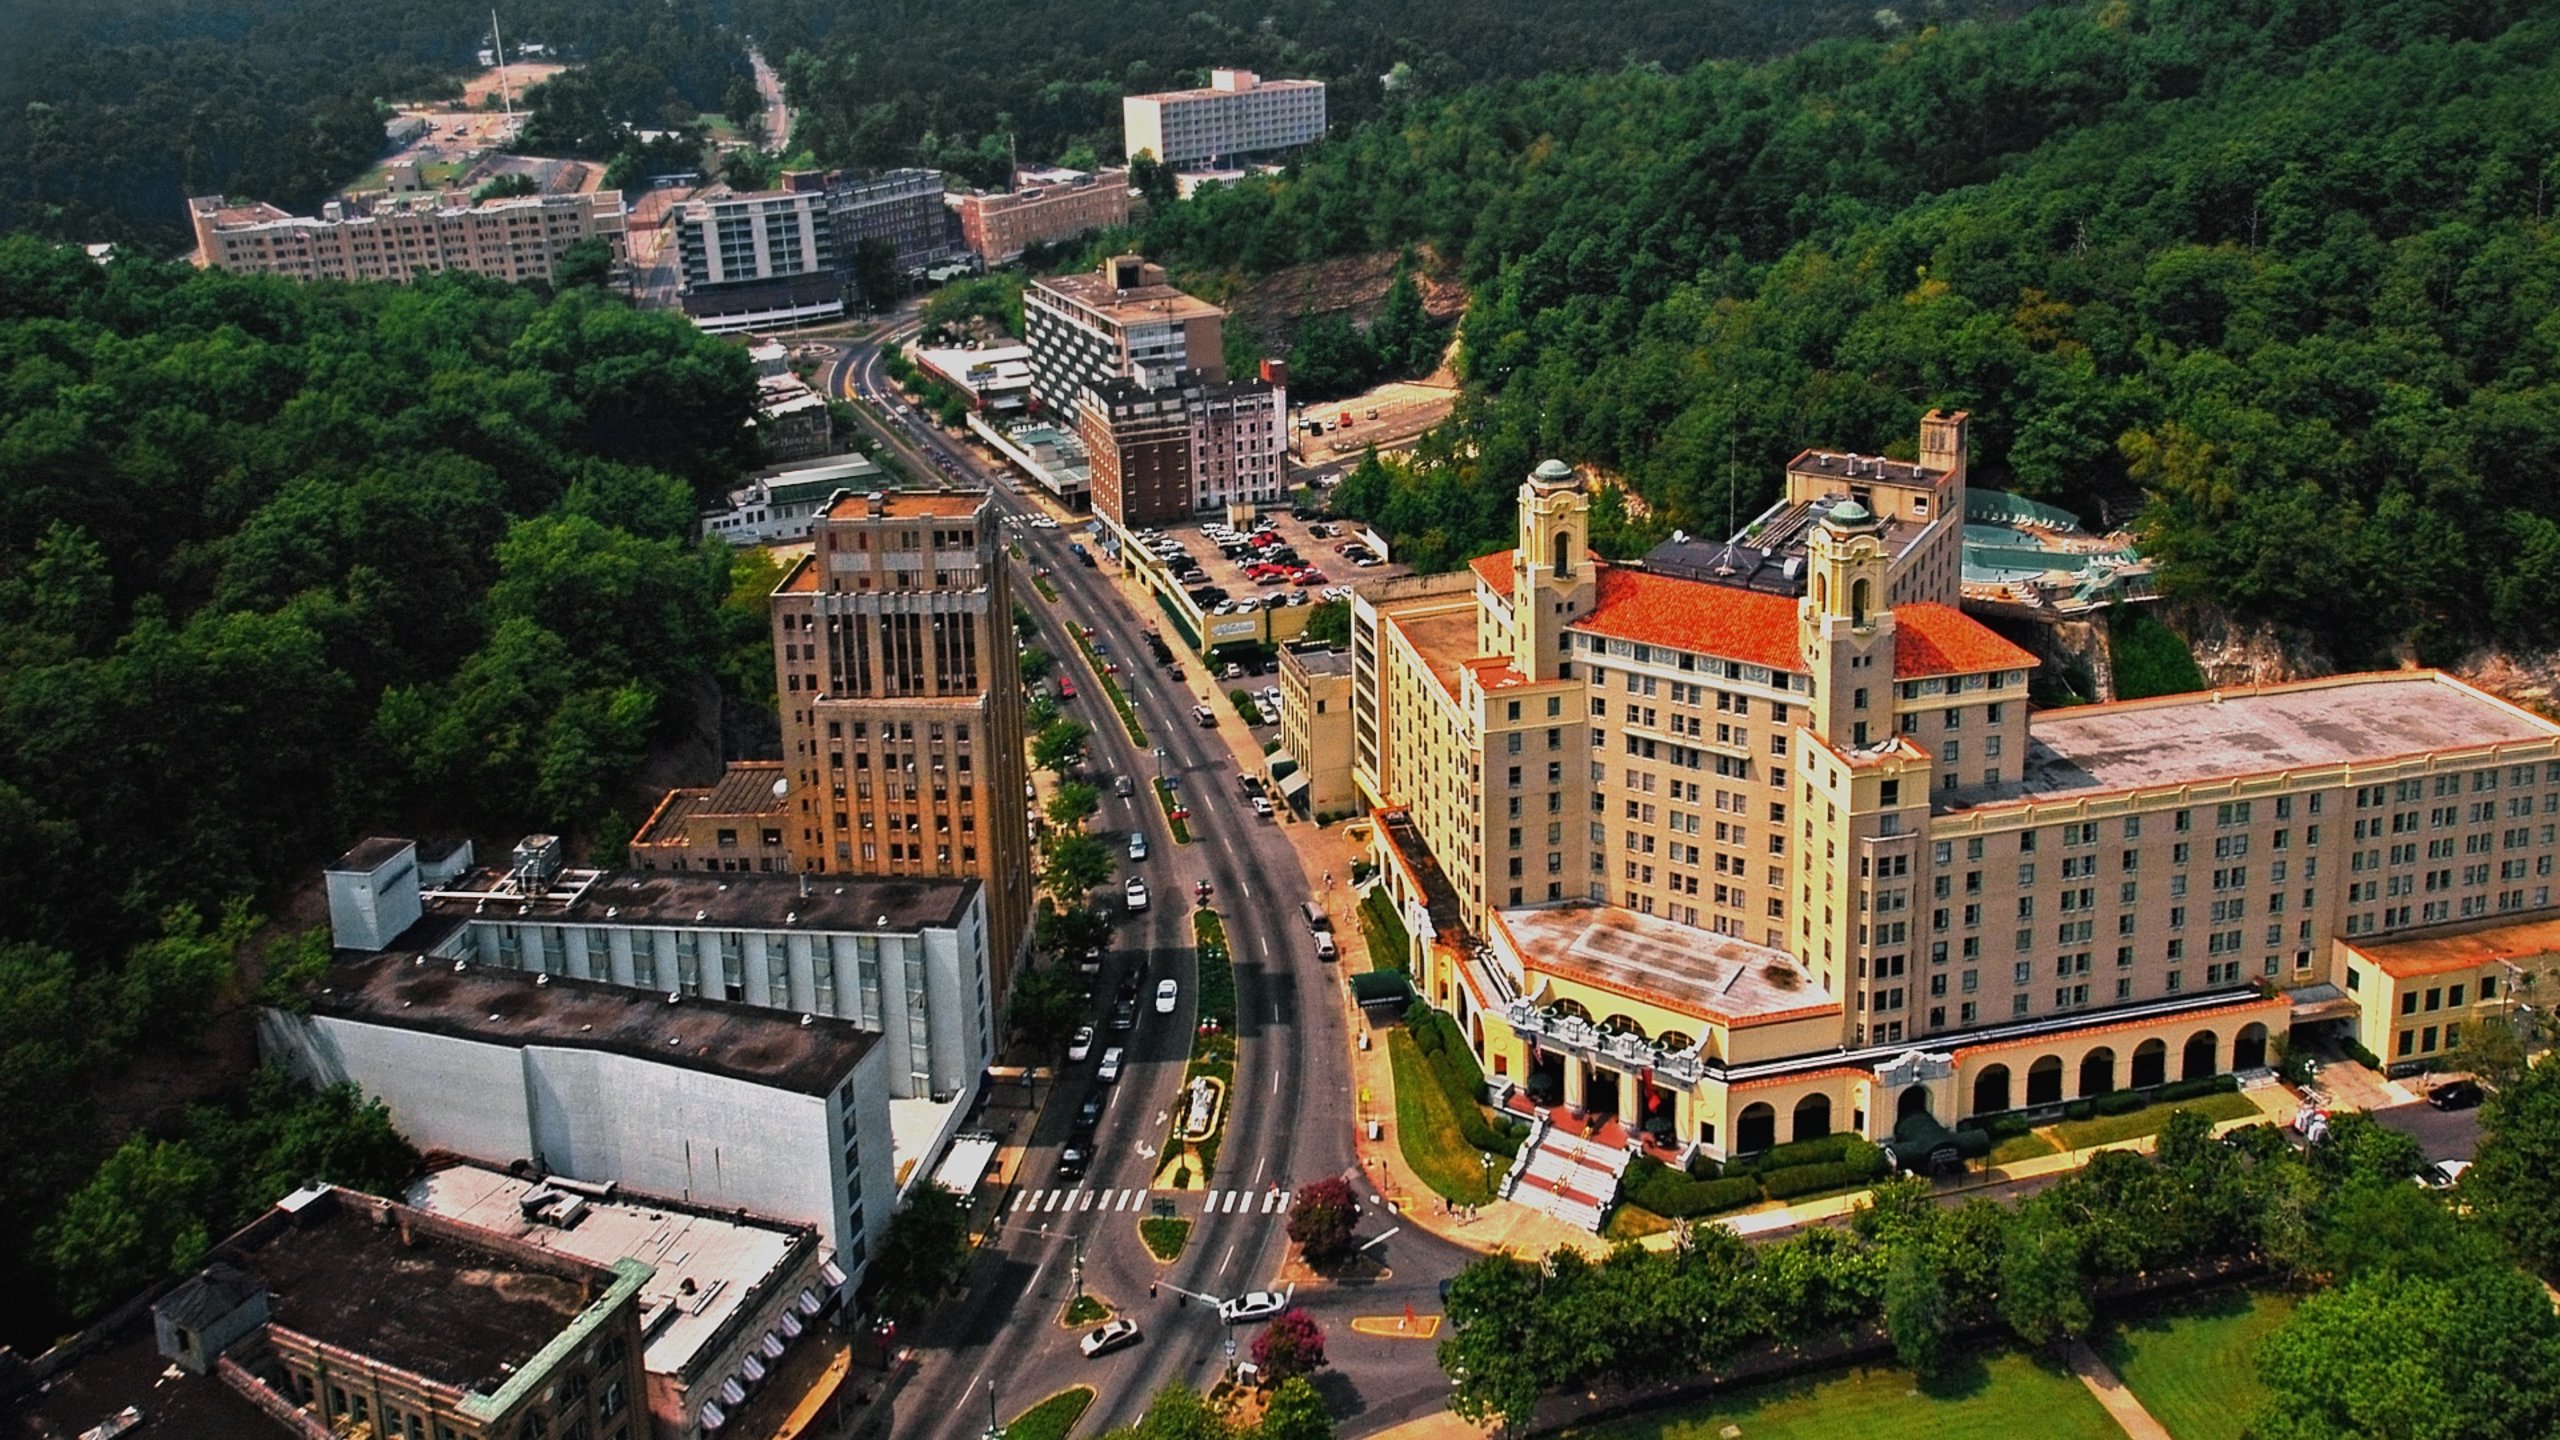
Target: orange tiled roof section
[1692,615]
[1495,571]
[909,505]
[1932,639]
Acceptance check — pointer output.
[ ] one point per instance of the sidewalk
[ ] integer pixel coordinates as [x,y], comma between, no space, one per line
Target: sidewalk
[2121,1406]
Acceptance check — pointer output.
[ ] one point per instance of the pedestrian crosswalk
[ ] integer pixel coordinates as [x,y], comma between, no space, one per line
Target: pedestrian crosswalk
[1111,1202]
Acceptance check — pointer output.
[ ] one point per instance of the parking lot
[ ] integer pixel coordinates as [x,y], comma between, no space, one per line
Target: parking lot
[1280,564]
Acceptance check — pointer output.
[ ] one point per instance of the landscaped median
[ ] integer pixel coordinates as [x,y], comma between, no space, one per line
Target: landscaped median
[1390,945]
[1167,797]
[1052,1418]
[1111,688]
[1200,1108]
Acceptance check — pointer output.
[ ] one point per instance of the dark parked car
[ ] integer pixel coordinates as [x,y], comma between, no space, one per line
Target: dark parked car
[1089,1114]
[2455,1095]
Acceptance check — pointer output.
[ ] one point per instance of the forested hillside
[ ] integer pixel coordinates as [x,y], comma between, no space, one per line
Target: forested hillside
[129,106]
[120,110]
[2287,265]
[279,565]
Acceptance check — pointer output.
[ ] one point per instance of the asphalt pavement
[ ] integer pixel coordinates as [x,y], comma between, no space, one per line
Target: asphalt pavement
[1288,1121]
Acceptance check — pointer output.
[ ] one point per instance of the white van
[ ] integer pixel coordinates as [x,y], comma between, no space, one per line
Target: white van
[1317,921]
[1326,950]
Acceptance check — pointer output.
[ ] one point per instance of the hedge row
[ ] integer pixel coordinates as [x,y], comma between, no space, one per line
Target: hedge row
[1860,1161]
[1445,1050]
[1818,1151]
[1666,1192]
[2125,1102]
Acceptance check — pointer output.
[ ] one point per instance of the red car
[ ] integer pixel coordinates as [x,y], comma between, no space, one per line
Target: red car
[1309,577]
[1066,688]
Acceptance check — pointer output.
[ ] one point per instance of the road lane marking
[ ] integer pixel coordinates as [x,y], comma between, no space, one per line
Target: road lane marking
[1274,1201]
[1085,1201]
[1230,1260]
[1275,1082]
[1261,1168]
[1054,1197]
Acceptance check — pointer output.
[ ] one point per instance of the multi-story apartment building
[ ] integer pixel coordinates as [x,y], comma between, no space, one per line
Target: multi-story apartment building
[1237,113]
[901,717]
[1121,321]
[731,240]
[397,239]
[902,208]
[1315,731]
[734,824]
[1740,855]
[1184,446]
[999,226]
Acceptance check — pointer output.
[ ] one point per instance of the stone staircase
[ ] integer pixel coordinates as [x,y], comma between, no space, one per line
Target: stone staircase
[1571,1177]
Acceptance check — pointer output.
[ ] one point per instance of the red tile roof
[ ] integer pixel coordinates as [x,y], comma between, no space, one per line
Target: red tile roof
[1651,609]
[1759,628]
[1932,639]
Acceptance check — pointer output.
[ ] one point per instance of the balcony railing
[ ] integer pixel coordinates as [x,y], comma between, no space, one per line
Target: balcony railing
[1579,1037]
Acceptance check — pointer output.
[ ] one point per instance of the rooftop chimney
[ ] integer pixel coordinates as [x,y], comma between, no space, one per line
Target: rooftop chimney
[879,503]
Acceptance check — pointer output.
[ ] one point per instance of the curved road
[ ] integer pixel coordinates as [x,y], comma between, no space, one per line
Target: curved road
[1289,1119]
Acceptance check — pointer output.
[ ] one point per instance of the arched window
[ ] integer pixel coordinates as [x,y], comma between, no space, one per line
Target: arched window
[1564,553]
[1813,1117]
[1858,601]
[1821,591]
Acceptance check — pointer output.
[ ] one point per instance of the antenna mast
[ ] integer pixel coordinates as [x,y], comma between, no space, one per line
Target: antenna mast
[498,47]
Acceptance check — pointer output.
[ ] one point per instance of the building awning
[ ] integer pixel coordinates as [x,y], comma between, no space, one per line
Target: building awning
[733,1391]
[753,1368]
[771,1347]
[832,1272]
[2323,1001]
[713,1417]
[791,1326]
[809,1302]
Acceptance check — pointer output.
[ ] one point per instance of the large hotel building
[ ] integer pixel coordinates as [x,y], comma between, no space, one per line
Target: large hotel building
[400,238]
[1747,843]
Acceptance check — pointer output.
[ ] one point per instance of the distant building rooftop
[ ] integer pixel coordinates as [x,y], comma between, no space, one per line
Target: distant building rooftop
[1093,291]
[910,505]
[709,1267]
[1320,661]
[513,1007]
[1679,967]
[2222,734]
[745,789]
[2466,948]
[689,898]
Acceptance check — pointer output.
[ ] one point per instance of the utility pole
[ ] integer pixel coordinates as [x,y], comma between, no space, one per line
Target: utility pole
[498,47]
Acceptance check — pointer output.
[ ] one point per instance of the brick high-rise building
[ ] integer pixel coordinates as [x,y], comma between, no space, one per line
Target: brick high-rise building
[1120,320]
[901,712]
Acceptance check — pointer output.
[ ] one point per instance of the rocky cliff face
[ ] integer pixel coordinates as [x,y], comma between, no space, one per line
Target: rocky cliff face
[2235,653]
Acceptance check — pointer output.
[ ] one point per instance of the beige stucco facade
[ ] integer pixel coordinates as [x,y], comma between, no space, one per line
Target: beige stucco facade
[1845,784]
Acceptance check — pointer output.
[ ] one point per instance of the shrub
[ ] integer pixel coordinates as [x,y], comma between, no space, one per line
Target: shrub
[2078,1109]
[2121,1102]
[1703,1166]
[2364,1057]
[1667,1192]
[1818,1151]
[1797,1180]
[2008,1125]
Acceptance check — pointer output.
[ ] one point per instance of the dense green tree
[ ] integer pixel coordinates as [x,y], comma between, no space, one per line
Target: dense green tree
[584,264]
[1059,745]
[1295,1412]
[2044,1290]
[1075,865]
[1074,803]
[876,277]
[2476,1357]
[1046,1005]
[1917,1315]
[920,1255]
[2518,1170]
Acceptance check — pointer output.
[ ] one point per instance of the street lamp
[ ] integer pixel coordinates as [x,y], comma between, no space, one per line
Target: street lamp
[994,1430]
[1487,1157]
[1076,1267]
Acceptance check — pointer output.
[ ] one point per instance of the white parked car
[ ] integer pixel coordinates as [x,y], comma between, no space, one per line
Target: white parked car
[1117,1335]
[1261,807]
[1168,995]
[1254,1305]
[1108,1072]
[2443,1174]
[1136,893]
[1043,522]
[1081,1047]
[1137,844]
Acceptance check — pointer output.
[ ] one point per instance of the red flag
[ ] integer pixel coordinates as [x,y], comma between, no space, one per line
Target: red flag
[1408,1312]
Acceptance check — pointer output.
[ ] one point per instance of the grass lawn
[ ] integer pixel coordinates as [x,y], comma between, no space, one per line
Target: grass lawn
[2021,1147]
[1165,1236]
[1085,1310]
[1633,1222]
[2107,1129]
[1052,1418]
[2192,1365]
[1427,1128]
[1390,946]
[2000,1396]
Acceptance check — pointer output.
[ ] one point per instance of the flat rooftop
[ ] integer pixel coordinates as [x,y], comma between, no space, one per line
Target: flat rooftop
[1321,662]
[2219,735]
[744,791]
[1678,967]
[128,1369]
[499,1006]
[708,1267]
[1444,638]
[910,505]
[725,899]
[425,1301]
[1093,291]
[2467,948]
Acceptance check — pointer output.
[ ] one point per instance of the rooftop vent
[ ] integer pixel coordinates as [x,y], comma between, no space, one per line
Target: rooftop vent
[675,997]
